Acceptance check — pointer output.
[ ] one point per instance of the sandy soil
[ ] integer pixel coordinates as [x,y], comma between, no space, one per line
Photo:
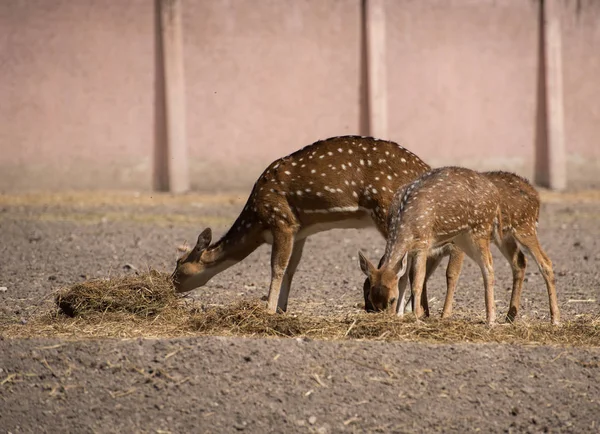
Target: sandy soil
[217,384]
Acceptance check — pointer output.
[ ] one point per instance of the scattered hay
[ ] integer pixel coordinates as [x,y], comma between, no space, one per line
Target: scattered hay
[251,319]
[146,306]
[145,295]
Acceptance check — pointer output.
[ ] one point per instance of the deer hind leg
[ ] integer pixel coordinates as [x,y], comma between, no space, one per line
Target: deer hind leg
[518,263]
[452,274]
[283,245]
[289,274]
[532,246]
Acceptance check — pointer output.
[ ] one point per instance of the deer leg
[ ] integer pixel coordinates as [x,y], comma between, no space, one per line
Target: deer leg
[479,251]
[283,244]
[452,274]
[518,263]
[420,264]
[531,245]
[432,263]
[401,303]
[289,274]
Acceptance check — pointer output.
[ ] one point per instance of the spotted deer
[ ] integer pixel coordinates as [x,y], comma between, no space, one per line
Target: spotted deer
[341,182]
[520,207]
[447,205]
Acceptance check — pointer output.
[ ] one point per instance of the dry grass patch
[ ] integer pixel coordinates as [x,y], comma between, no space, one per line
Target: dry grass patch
[146,306]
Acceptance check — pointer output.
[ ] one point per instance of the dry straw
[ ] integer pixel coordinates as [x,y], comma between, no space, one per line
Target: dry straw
[146,306]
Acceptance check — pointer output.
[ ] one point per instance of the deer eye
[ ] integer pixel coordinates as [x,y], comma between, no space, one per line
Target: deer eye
[393,300]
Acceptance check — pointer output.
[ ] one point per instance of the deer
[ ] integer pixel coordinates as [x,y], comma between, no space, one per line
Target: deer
[340,182]
[520,208]
[448,205]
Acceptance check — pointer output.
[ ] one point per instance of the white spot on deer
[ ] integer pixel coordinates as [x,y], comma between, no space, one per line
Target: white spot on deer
[321,156]
[384,189]
[346,182]
[403,159]
[362,162]
[340,150]
[294,163]
[313,171]
[299,193]
[339,190]
[304,165]
[307,190]
[350,151]
[387,152]
[287,172]
[369,162]
[332,167]
[352,182]
[344,166]
[377,178]
[349,164]
[330,153]
[322,174]
[389,177]
[354,194]
[319,194]
[374,190]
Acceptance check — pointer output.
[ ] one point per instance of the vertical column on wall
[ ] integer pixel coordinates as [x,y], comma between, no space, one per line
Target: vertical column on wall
[374,16]
[551,168]
[174,90]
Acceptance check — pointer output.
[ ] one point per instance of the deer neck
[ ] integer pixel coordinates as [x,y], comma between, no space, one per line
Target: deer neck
[399,243]
[234,246]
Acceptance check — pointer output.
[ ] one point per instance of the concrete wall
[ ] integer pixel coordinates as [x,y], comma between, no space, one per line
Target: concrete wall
[265,78]
[80,100]
[580,21]
[76,94]
[462,80]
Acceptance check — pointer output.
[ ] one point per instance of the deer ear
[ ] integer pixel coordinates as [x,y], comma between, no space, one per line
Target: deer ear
[402,265]
[365,264]
[204,240]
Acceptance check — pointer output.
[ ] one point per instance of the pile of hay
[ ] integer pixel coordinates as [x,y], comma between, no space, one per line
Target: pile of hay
[145,295]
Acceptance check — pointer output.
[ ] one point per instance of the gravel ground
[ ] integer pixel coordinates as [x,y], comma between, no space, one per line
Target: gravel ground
[218,384]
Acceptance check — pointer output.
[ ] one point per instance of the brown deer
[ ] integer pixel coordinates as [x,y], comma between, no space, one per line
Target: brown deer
[341,182]
[520,207]
[447,205]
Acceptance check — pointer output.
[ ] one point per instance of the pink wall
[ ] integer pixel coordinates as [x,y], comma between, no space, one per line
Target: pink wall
[77,94]
[462,80]
[581,76]
[266,78]
[79,86]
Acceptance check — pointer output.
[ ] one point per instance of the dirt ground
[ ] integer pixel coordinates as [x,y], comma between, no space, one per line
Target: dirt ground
[232,384]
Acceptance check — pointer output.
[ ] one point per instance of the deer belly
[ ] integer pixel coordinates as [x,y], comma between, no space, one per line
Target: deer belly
[315,222]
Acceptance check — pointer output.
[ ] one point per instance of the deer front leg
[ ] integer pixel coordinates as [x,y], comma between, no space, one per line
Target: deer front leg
[419,264]
[289,274]
[401,302]
[452,274]
[283,243]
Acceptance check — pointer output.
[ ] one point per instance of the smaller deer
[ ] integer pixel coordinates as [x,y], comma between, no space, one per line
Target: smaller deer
[520,205]
[446,205]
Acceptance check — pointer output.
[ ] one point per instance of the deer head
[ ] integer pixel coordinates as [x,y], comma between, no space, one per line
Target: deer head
[191,272]
[382,282]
